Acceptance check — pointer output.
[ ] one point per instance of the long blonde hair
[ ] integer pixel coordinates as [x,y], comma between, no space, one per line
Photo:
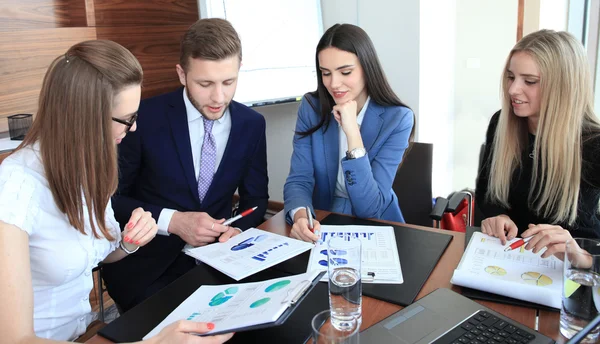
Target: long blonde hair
[566,112]
[74,128]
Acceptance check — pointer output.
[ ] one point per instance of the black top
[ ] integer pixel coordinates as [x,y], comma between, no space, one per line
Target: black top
[587,223]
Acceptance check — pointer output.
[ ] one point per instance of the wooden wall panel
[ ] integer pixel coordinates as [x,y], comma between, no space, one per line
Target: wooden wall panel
[34,14]
[157,49]
[144,13]
[24,58]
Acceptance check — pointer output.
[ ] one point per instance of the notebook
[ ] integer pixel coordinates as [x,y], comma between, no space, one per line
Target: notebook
[519,273]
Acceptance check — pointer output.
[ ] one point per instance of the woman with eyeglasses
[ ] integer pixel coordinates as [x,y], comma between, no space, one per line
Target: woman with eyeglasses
[56,220]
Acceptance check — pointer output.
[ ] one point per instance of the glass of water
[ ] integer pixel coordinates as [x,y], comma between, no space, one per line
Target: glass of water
[325,333]
[345,288]
[581,288]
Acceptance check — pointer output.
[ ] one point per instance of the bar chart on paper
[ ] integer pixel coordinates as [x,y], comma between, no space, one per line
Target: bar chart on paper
[248,253]
[379,252]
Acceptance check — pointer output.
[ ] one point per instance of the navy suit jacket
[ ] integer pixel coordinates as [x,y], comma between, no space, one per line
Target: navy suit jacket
[157,171]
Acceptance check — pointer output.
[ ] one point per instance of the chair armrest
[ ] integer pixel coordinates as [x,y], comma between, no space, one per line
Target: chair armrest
[439,209]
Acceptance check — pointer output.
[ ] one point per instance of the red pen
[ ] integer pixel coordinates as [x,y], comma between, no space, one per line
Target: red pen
[517,244]
[238,216]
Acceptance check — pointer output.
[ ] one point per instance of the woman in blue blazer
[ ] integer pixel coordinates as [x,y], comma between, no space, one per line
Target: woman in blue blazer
[347,166]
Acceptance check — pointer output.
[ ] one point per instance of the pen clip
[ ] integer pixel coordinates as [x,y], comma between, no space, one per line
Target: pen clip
[296,293]
[369,277]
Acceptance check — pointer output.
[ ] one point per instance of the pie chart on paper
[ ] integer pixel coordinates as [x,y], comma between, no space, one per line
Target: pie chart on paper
[536,278]
[495,271]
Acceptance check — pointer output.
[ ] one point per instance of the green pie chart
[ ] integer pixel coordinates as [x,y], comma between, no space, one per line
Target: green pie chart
[260,302]
[223,297]
[277,285]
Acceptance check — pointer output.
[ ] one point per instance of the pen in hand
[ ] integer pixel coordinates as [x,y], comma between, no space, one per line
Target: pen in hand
[517,244]
[311,224]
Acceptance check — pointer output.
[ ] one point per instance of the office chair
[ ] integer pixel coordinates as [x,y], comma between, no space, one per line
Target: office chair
[460,206]
[101,289]
[412,184]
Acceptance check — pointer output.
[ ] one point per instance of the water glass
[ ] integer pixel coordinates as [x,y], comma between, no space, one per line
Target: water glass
[581,288]
[345,288]
[325,333]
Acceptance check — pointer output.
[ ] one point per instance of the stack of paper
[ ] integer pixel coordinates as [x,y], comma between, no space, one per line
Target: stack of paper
[236,306]
[379,252]
[248,253]
[519,273]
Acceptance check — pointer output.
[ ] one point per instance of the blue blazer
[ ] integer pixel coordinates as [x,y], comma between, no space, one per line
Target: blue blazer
[315,161]
[157,171]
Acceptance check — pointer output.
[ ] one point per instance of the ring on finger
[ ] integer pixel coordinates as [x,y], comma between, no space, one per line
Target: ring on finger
[213,226]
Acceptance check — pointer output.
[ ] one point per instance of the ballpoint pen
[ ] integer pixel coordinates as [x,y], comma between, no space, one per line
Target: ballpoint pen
[239,216]
[517,244]
[226,223]
[311,223]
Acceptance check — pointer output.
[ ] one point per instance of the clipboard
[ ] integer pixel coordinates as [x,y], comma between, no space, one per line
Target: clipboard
[422,249]
[294,299]
[293,327]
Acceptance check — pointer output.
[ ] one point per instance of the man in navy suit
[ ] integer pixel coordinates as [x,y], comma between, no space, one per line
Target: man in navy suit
[192,150]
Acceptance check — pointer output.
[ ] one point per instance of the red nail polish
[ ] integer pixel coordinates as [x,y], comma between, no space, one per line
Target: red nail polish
[130,225]
[210,326]
[126,239]
[137,243]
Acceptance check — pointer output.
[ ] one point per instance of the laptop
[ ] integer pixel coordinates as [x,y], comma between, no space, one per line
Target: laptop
[445,317]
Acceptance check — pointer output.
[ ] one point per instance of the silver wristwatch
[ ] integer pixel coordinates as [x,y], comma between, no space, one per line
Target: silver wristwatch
[356,153]
[124,248]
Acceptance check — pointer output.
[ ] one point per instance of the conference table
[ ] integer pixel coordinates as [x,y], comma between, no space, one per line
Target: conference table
[374,310]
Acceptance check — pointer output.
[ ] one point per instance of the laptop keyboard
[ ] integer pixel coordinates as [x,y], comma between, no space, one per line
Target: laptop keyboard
[485,328]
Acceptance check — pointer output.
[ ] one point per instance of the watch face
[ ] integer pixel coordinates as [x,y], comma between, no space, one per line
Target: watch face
[356,153]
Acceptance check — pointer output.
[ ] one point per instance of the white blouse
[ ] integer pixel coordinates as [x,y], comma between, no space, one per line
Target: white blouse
[61,257]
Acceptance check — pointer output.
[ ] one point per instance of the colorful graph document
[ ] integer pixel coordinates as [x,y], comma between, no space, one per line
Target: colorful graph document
[235,306]
[520,274]
[248,253]
[379,252]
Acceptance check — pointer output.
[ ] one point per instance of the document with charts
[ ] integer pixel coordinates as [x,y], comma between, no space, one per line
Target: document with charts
[379,252]
[248,253]
[234,307]
[520,274]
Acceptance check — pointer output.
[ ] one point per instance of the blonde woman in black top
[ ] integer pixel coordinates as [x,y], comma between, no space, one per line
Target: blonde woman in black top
[540,175]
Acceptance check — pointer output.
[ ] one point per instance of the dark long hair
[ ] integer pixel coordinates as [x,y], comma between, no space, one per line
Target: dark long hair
[353,39]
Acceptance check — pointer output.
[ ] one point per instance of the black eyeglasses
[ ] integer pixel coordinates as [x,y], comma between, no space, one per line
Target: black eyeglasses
[129,123]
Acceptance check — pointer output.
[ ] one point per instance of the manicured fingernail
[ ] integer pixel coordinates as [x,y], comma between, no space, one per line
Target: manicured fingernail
[210,326]
[130,225]
[137,243]
[126,239]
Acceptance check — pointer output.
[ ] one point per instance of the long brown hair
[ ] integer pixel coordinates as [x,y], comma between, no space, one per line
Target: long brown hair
[74,128]
[566,113]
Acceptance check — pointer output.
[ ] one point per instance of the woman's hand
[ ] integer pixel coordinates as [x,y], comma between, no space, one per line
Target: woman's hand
[552,237]
[501,227]
[183,331]
[141,228]
[300,229]
[345,114]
